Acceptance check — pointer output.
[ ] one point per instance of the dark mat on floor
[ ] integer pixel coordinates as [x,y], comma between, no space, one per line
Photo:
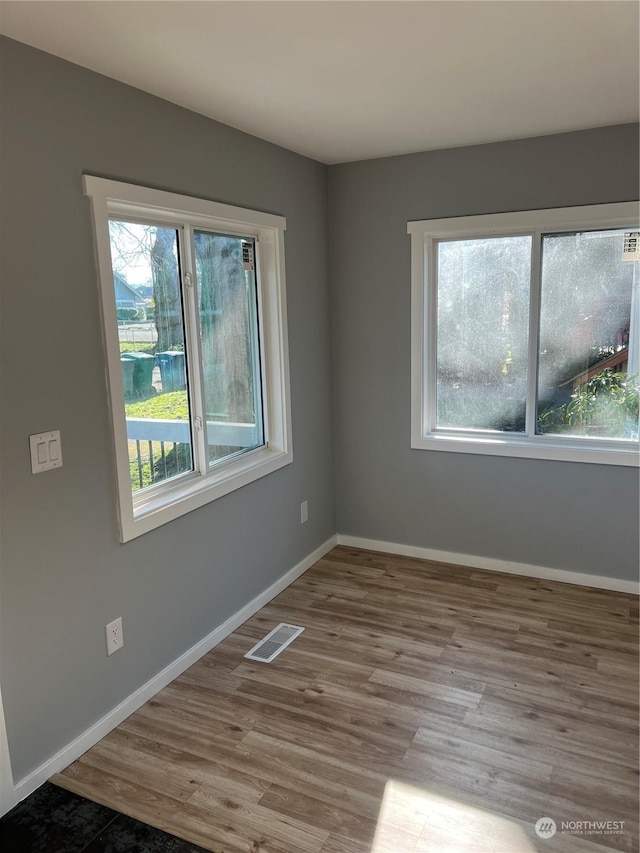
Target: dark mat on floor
[53,820]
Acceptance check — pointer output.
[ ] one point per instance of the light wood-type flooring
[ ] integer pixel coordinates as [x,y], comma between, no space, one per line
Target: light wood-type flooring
[425,707]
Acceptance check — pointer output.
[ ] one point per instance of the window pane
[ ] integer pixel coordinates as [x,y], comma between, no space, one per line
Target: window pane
[146,278]
[483,305]
[586,326]
[229,337]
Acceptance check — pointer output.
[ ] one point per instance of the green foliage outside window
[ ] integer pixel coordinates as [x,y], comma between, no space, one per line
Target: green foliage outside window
[607,405]
[131,315]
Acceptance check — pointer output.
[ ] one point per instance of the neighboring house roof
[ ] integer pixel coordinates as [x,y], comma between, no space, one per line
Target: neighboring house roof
[125,294]
[616,362]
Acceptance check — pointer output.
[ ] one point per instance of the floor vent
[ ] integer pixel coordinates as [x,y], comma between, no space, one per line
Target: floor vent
[275,642]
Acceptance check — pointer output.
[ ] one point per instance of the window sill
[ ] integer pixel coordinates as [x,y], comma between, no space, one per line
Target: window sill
[609,452]
[193,491]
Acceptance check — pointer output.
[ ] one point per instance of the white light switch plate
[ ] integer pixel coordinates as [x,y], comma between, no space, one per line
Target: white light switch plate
[46,451]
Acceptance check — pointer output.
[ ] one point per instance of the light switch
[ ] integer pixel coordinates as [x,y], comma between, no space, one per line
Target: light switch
[46,451]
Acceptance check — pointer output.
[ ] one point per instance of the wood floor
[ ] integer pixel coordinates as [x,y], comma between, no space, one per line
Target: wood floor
[425,707]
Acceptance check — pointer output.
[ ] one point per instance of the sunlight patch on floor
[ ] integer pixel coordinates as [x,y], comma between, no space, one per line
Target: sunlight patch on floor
[415,820]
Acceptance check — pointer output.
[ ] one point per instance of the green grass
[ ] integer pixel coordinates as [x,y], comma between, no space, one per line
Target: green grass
[141,346]
[171,407]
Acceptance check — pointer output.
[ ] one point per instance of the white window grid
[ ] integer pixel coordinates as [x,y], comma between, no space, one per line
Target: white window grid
[425,235]
[155,505]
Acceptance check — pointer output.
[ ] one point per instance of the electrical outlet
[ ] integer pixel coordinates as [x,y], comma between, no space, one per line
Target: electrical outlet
[304,512]
[115,639]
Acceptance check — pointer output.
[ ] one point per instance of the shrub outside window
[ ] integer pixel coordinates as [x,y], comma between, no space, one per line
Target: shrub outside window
[193,306]
[526,334]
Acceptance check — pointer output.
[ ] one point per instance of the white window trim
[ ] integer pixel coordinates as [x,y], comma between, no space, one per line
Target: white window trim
[158,505]
[424,435]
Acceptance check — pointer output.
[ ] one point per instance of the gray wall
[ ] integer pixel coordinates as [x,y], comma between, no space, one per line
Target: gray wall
[573,516]
[64,573]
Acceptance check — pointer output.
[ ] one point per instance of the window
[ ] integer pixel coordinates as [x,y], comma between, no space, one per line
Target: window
[526,334]
[193,307]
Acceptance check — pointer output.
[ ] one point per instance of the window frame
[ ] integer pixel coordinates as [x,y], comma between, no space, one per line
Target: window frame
[425,235]
[163,502]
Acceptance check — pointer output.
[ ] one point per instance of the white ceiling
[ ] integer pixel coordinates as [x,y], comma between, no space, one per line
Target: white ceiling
[342,80]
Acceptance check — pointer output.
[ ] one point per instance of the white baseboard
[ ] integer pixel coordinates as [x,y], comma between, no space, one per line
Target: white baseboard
[492,565]
[92,735]
[8,797]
